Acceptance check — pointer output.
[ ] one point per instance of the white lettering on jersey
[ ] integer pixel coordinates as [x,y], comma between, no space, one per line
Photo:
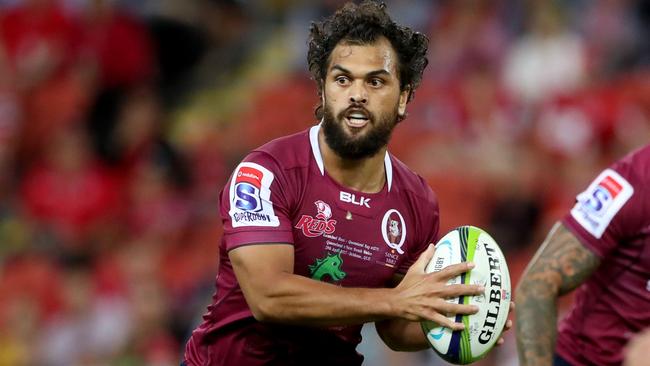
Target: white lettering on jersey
[597,206]
[351,198]
[250,197]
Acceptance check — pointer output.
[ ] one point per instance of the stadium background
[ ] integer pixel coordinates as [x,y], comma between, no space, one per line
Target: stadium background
[121,120]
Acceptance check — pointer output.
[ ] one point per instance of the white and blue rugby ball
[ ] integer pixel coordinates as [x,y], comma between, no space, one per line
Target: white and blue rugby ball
[483,329]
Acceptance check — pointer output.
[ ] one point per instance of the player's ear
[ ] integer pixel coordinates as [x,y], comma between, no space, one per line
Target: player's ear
[321,90]
[319,109]
[403,100]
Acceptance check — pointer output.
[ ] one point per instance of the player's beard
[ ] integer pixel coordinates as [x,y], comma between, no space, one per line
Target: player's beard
[359,145]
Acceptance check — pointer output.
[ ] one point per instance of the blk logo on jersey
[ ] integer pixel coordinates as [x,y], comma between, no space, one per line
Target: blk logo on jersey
[250,196]
[597,206]
[321,224]
[353,199]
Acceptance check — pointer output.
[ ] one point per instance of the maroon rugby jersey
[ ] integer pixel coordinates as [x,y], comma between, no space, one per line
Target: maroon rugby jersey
[281,193]
[611,218]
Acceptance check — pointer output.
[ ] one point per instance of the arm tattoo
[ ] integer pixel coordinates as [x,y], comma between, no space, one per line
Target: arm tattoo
[560,265]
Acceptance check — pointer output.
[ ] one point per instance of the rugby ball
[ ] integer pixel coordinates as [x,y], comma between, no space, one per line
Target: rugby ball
[483,329]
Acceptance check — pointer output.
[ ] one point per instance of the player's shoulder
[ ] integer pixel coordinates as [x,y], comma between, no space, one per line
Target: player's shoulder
[287,152]
[635,166]
[410,182]
[638,162]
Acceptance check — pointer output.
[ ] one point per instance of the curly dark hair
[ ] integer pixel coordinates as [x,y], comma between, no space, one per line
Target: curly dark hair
[364,24]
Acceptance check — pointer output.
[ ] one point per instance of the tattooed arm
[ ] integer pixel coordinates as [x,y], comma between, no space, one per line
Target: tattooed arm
[560,265]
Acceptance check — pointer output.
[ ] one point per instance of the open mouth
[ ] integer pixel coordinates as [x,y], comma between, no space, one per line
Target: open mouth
[357,118]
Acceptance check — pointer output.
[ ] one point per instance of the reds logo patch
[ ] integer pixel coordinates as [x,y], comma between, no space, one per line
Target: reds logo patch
[250,196]
[596,207]
[324,210]
[312,227]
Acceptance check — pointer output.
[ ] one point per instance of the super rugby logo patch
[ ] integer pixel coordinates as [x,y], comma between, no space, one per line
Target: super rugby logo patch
[596,207]
[250,197]
[312,227]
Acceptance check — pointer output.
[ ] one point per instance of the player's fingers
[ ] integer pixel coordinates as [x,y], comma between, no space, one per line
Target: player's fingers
[500,341]
[450,309]
[445,322]
[451,291]
[508,324]
[512,307]
[424,258]
[454,270]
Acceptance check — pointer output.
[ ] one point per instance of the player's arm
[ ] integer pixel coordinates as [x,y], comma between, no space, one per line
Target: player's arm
[275,294]
[560,265]
[400,334]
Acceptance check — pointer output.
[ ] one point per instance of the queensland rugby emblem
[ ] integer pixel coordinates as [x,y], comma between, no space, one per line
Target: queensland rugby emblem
[393,230]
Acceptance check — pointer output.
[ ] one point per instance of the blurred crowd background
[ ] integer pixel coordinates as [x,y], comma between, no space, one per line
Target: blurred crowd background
[121,120]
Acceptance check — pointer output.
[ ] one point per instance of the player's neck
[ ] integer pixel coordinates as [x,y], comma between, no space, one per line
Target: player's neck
[366,175]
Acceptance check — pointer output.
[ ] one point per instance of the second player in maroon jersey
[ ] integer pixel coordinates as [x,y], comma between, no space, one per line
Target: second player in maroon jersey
[602,248]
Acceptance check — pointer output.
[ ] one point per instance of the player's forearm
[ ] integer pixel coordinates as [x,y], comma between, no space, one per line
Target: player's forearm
[300,300]
[560,265]
[536,323]
[402,335]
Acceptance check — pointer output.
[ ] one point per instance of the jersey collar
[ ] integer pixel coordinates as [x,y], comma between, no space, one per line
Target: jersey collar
[315,148]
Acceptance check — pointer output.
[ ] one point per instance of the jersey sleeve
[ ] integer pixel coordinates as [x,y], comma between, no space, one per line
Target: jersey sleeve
[609,211]
[427,224]
[255,204]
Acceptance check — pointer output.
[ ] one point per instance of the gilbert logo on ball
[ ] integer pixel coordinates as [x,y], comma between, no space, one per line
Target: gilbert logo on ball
[483,329]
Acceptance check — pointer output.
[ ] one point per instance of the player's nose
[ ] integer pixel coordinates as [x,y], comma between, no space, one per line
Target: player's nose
[358,94]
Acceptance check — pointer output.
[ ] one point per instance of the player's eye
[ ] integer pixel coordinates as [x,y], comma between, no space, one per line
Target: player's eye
[342,80]
[376,82]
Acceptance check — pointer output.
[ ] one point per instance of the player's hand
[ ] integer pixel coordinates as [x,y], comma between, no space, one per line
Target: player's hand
[636,351]
[422,296]
[508,324]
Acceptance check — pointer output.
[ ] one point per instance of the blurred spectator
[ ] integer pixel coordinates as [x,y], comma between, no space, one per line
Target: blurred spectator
[178,48]
[138,125]
[42,45]
[151,342]
[156,207]
[549,59]
[229,31]
[9,107]
[9,124]
[632,127]
[465,31]
[117,44]
[89,327]
[41,41]
[612,34]
[29,295]
[69,193]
